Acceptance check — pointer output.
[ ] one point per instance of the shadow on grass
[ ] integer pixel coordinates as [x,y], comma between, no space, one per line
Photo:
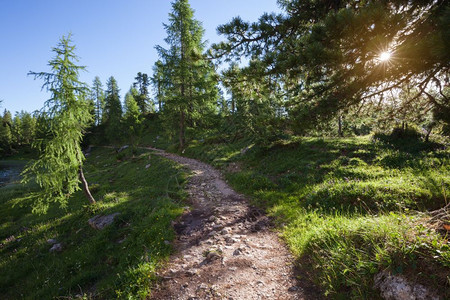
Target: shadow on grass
[119,260]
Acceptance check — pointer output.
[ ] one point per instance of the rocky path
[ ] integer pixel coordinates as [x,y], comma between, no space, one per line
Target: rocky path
[224,247]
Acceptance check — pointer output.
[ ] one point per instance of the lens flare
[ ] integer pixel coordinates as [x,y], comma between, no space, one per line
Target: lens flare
[385,56]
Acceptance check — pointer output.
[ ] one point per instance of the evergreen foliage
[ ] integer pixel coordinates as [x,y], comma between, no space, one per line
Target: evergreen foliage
[98,96]
[112,116]
[141,84]
[190,80]
[328,53]
[58,170]
[132,117]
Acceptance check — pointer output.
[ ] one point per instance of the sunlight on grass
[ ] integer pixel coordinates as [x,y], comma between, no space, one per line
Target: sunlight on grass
[118,261]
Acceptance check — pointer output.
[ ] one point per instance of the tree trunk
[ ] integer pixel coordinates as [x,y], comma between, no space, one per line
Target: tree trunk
[85,186]
[340,133]
[181,136]
[159,97]
[427,137]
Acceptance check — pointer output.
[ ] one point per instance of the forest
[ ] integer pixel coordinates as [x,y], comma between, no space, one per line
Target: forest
[332,118]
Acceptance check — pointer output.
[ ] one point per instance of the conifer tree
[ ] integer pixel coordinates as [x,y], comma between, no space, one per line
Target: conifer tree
[192,93]
[142,83]
[158,82]
[98,96]
[5,132]
[132,117]
[58,171]
[332,52]
[112,116]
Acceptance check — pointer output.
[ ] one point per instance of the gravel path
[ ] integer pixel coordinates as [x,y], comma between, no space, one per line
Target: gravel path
[225,249]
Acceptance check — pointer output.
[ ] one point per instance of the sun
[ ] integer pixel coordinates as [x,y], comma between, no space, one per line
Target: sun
[385,56]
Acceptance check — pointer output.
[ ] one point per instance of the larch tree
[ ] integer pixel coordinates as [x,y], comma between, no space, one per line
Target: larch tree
[5,132]
[59,169]
[113,111]
[191,92]
[159,84]
[141,84]
[132,118]
[98,96]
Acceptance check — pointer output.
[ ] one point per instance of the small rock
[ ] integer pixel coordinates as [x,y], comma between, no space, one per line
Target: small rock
[202,286]
[212,233]
[56,248]
[148,166]
[293,289]
[122,148]
[52,241]
[192,272]
[237,252]
[166,242]
[226,230]
[212,219]
[212,256]
[100,222]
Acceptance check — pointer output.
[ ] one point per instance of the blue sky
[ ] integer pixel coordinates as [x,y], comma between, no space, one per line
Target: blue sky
[113,38]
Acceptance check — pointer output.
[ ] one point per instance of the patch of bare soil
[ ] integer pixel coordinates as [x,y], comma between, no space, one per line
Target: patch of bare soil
[225,249]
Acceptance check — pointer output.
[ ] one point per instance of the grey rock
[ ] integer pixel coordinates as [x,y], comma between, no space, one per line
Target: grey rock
[52,241]
[123,148]
[293,289]
[397,287]
[100,222]
[148,166]
[56,248]
[237,252]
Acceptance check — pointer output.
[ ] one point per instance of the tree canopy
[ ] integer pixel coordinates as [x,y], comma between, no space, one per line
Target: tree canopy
[330,52]
[58,171]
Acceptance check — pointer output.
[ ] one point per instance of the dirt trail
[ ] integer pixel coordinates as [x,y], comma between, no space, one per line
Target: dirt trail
[224,247]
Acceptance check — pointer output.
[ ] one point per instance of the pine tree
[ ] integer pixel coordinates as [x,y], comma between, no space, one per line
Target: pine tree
[28,127]
[16,130]
[158,82]
[132,117]
[5,132]
[330,52]
[142,83]
[191,92]
[98,96]
[112,116]
[58,171]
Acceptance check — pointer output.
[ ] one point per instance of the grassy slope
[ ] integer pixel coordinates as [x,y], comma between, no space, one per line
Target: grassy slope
[346,206]
[92,262]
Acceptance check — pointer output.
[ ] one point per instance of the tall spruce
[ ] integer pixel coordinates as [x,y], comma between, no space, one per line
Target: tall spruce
[159,84]
[98,96]
[58,171]
[192,93]
[132,119]
[5,132]
[141,84]
[113,112]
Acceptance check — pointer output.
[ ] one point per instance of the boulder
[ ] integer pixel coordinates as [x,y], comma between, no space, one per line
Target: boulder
[100,222]
[397,287]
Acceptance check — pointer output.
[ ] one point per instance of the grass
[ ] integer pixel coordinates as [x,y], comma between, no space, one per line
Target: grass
[117,262]
[348,208]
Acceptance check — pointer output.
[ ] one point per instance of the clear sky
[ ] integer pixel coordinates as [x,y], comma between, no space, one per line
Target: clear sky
[113,38]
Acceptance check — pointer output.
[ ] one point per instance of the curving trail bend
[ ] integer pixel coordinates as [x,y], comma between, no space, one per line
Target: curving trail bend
[225,249]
